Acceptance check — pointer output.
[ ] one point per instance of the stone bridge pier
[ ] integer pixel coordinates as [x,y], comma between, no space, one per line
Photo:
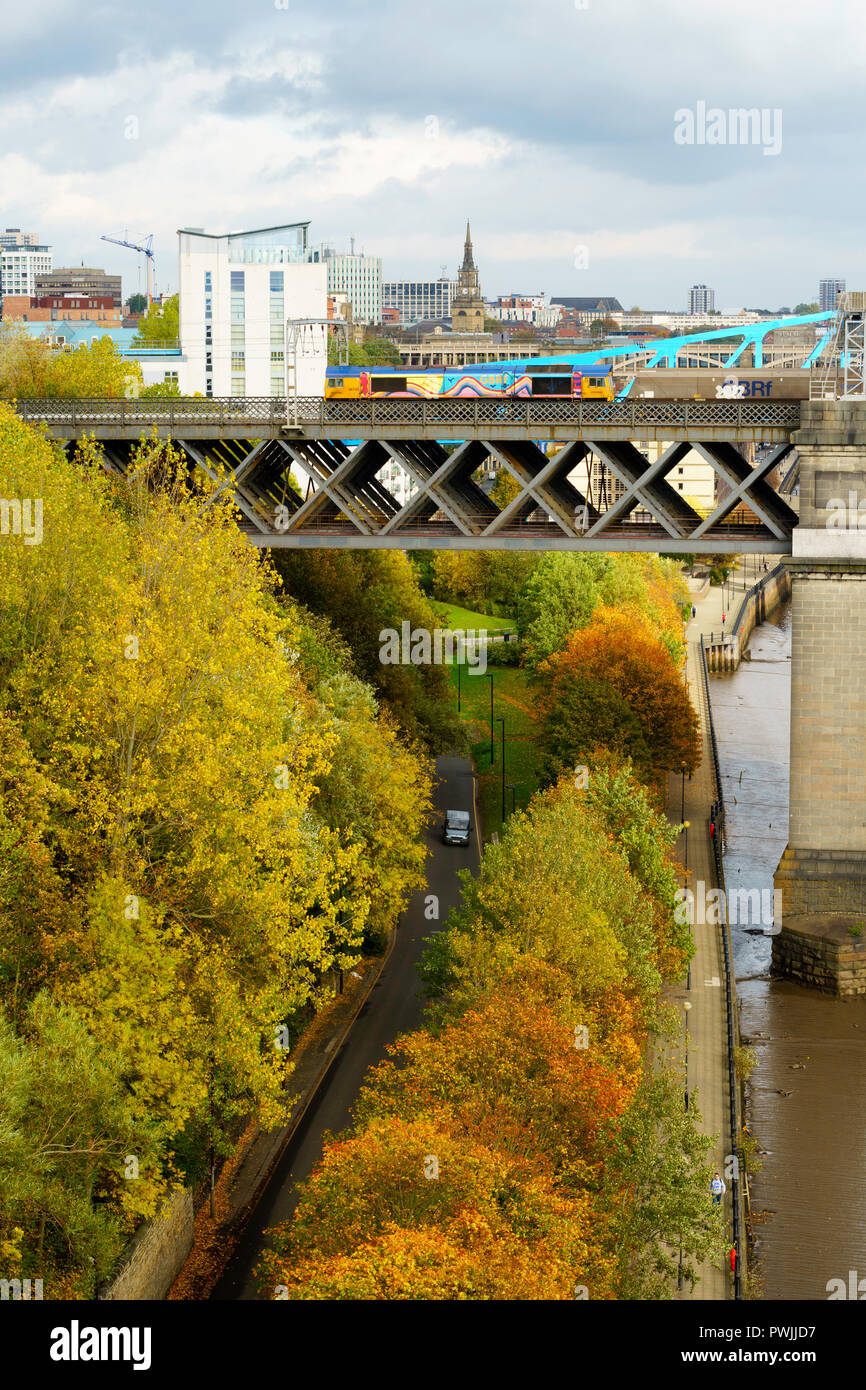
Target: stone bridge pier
[822,873]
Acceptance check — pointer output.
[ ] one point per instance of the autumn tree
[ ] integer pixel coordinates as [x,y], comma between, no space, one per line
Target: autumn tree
[160,324]
[363,593]
[193,837]
[621,651]
[66,1133]
[29,367]
[407,1210]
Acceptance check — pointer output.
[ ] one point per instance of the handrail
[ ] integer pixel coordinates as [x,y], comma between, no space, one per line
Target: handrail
[717,813]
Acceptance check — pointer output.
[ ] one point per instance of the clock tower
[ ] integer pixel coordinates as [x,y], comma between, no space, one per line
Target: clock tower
[467,306]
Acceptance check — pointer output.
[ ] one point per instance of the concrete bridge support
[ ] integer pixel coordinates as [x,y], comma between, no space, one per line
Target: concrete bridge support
[822,873]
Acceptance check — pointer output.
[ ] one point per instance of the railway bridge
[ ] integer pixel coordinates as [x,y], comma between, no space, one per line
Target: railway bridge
[339,447]
[338,450]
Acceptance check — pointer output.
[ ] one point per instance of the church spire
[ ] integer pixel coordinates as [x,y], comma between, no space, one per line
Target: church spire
[468,261]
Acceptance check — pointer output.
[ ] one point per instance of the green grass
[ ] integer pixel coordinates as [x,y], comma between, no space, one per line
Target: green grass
[462,618]
[514,699]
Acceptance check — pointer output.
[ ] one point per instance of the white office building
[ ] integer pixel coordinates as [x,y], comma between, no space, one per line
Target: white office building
[416,301]
[21,260]
[360,279]
[702,300]
[237,292]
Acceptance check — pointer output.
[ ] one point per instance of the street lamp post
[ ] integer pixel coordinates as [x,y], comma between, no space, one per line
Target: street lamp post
[686,825]
[458,675]
[492,745]
[500,720]
[687,1011]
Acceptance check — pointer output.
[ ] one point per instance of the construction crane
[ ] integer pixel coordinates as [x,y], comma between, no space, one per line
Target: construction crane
[146,249]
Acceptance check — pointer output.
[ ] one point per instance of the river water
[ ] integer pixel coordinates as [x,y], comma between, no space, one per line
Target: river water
[806,1099]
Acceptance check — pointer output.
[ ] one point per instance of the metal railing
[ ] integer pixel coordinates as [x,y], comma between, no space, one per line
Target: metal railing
[717,821]
[315,412]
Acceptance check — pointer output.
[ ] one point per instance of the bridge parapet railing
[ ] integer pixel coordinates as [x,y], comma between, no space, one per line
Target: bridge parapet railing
[383,411]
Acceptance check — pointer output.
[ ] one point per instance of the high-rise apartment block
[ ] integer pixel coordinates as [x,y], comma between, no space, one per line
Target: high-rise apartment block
[702,300]
[358,277]
[22,258]
[828,293]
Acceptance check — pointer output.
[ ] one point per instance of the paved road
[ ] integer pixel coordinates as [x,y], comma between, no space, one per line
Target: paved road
[394,1006]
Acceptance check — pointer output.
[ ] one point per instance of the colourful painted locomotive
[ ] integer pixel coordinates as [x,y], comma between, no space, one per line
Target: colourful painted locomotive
[497,381]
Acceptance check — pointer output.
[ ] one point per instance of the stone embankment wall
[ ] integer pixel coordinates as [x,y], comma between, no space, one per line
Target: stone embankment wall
[806,951]
[725,650]
[155,1254]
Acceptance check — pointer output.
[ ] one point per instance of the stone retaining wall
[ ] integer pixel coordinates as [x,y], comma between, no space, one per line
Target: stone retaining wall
[155,1254]
[762,599]
[820,960]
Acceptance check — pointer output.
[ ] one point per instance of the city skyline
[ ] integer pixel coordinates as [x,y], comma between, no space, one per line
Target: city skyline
[227,122]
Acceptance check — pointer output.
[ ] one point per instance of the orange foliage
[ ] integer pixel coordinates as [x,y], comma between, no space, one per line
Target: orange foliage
[406,1210]
[622,648]
[511,1072]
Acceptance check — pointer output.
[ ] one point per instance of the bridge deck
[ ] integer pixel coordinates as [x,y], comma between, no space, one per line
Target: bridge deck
[644,419]
[598,491]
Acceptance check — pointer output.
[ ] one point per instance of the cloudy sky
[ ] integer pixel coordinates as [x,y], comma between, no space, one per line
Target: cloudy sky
[550,123]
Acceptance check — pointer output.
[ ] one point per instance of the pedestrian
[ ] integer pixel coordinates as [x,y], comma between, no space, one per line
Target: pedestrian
[712,829]
[724,615]
[718,1189]
[694,611]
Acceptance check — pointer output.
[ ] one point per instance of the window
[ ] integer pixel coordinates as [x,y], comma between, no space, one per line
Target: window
[208,386]
[170,377]
[208,307]
[276,282]
[276,335]
[208,284]
[238,361]
[276,357]
[238,335]
[208,333]
[238,386]
[237,307]
[237,282]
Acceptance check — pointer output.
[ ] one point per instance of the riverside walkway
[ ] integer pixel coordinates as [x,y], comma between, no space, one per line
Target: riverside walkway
[704,1060]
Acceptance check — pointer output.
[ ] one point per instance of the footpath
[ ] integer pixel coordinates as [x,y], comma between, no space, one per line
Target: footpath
[702,1050]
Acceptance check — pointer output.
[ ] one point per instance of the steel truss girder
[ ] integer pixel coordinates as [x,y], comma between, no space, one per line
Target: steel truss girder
[348,504]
